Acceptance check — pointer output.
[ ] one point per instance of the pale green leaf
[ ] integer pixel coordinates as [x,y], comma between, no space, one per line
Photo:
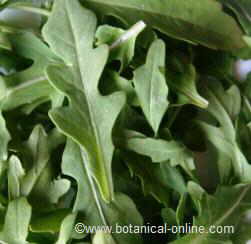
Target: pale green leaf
[196,193]
[66,229]
[103,238]
[150,85]
[159,150]
[4,139]
[15,230]
[15,175]
[180,212]
[37,148]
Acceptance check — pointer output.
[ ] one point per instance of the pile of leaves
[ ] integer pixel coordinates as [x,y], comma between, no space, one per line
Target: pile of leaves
[154,130]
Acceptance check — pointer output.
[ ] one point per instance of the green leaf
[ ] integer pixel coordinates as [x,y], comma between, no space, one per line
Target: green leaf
[66,229]
[196,193]
[184,83]
[39,180]
[4,139]
[16,223]
[81,120]
[48,190]
[224,137]
[49,222]
[124,52]
[150,85]
[243,232]
[97,212]
[242,9]
[31,84]
[37,147]
[103,238]
[4,41]
[180,212]
[15,175]
[25,10]
[169,216]
[201,22]
[159,150]
[225,208]
[112,82]
[156,179]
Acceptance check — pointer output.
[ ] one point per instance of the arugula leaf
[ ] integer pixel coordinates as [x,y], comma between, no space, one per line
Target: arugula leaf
[81,120]
[201,22]
[242,9]
[31,84]
[225,208]
[184,83]
[157,140]
[113,82]
[224,136]
[15,174]
[96,211]
[66,229]
[4,41]
[16,223]
[48,222]
[48,190]
[158,150]
[243,232]
[150,85]
[4,139]
[156,179]
[124,52]
[37,147]
[103,238]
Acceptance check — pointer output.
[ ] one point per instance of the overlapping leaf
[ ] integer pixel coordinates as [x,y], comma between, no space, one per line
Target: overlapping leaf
[16,223]
[156,179]
[184,83]
[31,84]
[201,22]
[224,136]
[124,52]
[158,150]
[89,201]
[225,208]
[86,120]
[150,85]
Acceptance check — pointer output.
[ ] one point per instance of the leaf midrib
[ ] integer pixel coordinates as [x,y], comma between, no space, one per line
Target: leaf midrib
[89,105]
[92,121]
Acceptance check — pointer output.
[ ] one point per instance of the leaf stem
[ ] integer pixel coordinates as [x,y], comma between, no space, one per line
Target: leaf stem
[133,31]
